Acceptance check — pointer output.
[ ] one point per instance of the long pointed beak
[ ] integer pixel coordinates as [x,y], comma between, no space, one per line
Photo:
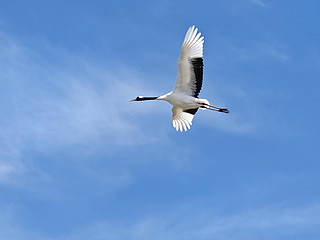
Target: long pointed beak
[132,100]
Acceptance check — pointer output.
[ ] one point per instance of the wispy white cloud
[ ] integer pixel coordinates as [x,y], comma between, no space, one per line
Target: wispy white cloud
[264,223]
[258,51]
[277,53]
[253,223]
[274,222]
[47,105]
[259,2]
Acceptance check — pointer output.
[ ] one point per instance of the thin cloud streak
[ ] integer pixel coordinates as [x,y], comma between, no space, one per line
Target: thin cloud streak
[47,105]
[259,51]
[265,223]
[276,222]
[259,2]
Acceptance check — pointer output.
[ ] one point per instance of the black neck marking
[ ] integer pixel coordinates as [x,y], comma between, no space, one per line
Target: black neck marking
[145,98]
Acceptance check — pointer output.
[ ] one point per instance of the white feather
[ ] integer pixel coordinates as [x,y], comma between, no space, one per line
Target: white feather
[181,120]
[192,47]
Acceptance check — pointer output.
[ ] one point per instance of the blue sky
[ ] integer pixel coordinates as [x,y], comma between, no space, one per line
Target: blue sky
[77,161]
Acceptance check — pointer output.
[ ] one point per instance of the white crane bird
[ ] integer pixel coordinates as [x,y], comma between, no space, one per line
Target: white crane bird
[184,96]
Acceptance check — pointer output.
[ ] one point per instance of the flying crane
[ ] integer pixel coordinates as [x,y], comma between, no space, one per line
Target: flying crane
[184,96]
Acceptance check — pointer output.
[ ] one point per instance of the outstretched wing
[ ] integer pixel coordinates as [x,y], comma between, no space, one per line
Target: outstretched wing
[190,64]
[182,119]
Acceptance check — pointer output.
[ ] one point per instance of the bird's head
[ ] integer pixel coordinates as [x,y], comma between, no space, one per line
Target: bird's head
[139,98]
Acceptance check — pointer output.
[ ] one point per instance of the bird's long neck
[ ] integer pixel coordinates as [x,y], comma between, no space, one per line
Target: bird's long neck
[146,98]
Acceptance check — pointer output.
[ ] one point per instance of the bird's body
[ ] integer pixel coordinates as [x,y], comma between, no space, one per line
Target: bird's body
[179,99]
[184,96]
